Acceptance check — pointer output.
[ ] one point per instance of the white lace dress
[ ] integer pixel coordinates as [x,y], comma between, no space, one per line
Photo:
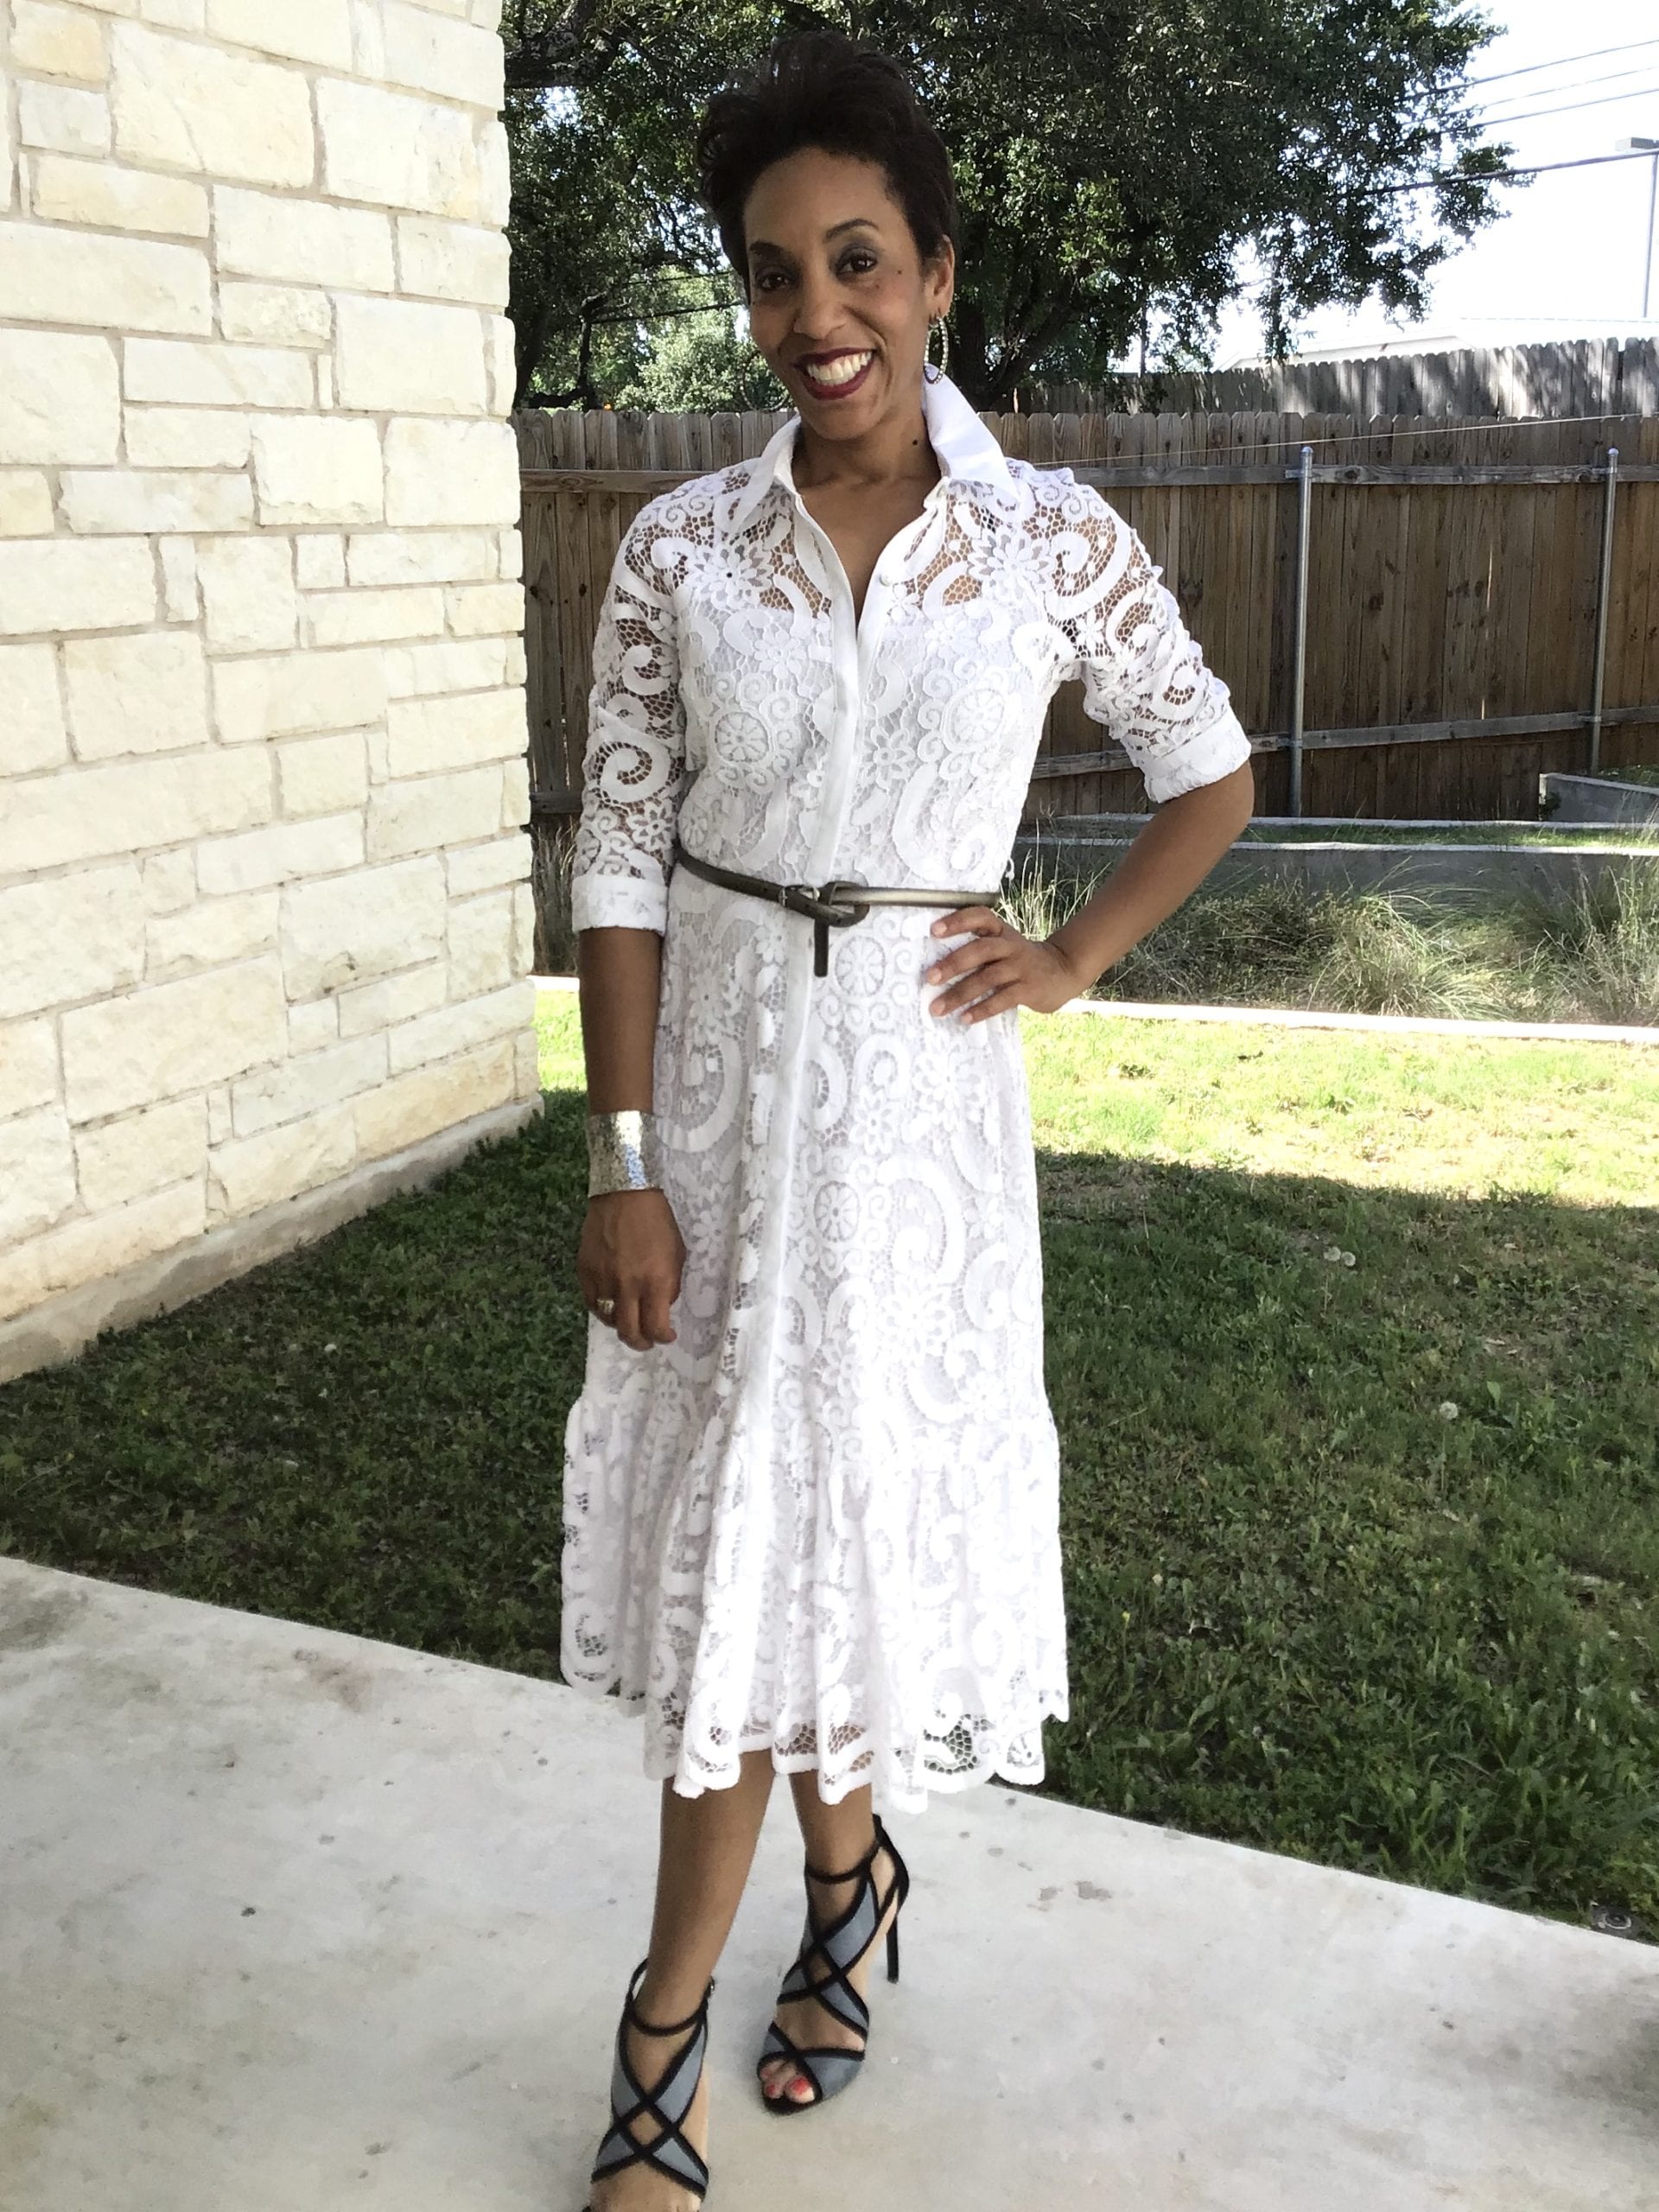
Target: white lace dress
[824,1520]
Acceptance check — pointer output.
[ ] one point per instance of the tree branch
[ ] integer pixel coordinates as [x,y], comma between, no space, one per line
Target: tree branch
[568,53]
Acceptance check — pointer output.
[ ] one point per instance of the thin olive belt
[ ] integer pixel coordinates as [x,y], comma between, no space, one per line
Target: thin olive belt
[831,905]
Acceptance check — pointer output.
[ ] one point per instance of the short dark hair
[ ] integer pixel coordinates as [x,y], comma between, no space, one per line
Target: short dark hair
[822,89]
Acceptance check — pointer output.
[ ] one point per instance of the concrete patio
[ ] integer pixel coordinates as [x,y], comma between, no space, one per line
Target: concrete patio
[294,1921]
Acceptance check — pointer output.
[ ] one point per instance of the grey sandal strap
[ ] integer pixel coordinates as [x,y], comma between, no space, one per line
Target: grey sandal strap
[667,2105]
[838,1948]
[843,1948]
[831,2070]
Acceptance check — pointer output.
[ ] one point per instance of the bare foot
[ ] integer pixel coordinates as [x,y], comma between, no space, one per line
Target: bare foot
[639,2188]
[803,2019]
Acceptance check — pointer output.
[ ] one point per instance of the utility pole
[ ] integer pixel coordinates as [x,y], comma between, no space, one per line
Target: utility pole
[1646,146]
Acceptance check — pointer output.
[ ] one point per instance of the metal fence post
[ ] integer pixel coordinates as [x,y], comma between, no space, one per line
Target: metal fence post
[1299,666]
[1603,595]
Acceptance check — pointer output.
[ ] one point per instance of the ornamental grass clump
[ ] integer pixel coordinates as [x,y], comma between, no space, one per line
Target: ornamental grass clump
[1596,956]
[552,844]
[1592,956]
[1406,955]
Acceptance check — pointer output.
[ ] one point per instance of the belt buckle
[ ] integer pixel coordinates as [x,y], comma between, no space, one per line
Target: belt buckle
[839,892]
[822,897]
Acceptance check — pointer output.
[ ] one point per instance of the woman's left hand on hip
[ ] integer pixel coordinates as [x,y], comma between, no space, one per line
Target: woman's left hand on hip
[998,969]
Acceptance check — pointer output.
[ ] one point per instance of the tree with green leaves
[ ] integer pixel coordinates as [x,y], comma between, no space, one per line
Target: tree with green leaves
[1117,162]
[609,247]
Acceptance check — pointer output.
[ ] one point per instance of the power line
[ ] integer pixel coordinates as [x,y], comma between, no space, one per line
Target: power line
[1607,77]
[1572,107]
[1563,61]
[1612,316]
[1497,176]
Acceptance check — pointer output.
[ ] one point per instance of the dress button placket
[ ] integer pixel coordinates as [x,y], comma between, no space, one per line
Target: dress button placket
[836,791]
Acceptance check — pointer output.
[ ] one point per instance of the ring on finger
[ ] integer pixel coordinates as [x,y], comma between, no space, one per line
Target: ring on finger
[605,1307]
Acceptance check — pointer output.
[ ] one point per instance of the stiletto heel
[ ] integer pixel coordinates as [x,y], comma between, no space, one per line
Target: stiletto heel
[667,2104]
[829,2068]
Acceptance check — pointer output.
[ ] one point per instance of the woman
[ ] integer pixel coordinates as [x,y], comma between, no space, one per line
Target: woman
[811,1480]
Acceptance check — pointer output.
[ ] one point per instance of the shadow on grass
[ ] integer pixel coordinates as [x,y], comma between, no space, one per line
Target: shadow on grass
[1309,1610]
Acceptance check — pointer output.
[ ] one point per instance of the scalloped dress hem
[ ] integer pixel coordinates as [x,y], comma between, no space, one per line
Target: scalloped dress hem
[888,1795]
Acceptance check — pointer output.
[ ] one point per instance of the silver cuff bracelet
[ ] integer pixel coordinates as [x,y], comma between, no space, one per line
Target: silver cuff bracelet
[625,1152]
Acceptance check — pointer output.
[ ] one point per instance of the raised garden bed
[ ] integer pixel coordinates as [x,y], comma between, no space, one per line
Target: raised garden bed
[1480,861]
[1623,796]
[1319,830]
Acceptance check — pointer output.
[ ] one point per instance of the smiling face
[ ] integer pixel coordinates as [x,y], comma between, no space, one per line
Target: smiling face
[840,297]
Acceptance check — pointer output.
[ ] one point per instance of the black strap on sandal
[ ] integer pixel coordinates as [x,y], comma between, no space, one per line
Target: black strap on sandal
[667,2105]
[829,2067]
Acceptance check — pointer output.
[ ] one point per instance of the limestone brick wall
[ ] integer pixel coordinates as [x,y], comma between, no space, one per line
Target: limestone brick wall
[264,913]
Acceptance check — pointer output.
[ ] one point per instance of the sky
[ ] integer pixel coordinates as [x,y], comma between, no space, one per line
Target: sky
[1564,258]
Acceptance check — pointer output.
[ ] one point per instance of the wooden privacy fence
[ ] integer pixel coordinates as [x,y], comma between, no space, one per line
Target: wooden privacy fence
[1561,377]
[1415,618]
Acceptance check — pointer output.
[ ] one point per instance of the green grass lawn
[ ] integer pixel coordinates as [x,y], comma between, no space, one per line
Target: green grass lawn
[1362,1559]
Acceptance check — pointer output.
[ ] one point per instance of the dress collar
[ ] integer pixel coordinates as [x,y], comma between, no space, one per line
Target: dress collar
[965,448]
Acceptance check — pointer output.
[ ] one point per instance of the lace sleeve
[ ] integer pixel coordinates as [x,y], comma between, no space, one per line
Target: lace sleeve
[634,768]
[1144,676]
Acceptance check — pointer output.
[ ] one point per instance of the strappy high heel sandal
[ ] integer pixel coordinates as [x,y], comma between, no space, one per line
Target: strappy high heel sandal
[829,2067]
[666,2104]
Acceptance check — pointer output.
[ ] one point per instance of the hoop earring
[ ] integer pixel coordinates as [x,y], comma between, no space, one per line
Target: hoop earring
[929,369]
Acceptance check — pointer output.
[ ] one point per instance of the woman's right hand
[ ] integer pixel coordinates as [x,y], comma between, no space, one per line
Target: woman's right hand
[632,1250]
